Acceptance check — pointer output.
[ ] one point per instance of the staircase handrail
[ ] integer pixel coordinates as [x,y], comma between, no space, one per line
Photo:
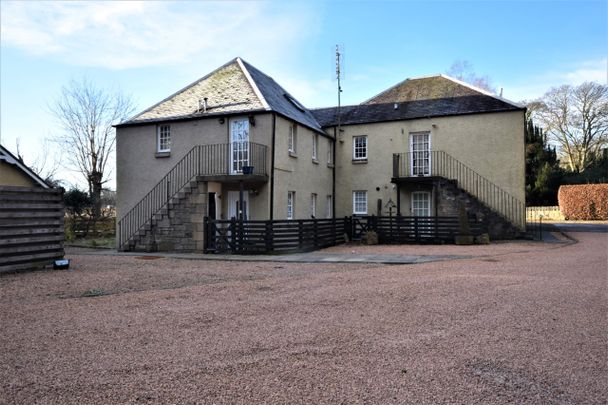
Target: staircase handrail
[201,160]
[445,165]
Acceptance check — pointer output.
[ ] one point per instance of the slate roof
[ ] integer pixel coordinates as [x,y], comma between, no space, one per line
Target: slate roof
[368,113]
[236,87]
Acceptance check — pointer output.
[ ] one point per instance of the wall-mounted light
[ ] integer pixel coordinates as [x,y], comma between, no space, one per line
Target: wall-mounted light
[222,120]
[254,192]
[252,120]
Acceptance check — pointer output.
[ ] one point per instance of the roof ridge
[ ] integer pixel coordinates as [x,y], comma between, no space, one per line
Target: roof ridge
[252,82]
[480,90]
[194,83]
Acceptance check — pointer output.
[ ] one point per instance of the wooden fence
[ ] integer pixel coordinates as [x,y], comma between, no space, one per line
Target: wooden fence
[281,236]
[31,227]
[402,230]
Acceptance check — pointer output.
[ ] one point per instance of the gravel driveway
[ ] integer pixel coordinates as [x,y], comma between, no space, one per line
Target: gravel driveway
[524,325]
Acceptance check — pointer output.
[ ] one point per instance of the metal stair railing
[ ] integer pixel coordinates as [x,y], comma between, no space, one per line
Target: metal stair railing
[442,164]
[201,160]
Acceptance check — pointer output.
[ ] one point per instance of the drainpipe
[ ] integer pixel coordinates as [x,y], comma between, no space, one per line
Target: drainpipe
[333,178]
[274,130]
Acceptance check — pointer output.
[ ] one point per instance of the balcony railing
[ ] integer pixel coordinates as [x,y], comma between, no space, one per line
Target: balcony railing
[201,160]
[442,164]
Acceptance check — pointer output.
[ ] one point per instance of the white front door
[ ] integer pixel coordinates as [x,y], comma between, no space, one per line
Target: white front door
[421,204]
[239,145]
[420,154]
[233,205]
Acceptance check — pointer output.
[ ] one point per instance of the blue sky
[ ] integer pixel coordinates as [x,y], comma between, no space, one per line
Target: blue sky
[149,50]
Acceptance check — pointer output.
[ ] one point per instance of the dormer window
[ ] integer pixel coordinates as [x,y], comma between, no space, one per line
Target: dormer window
[295,102]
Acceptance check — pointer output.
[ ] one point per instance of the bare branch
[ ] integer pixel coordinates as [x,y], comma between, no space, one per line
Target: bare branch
[86,115]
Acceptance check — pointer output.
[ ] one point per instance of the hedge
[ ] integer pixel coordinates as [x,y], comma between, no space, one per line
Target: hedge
[584,201]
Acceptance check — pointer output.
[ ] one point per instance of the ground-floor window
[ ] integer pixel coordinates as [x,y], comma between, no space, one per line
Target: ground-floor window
[329,207]
[421,204]
[360,202]
[313,205]
[291,200]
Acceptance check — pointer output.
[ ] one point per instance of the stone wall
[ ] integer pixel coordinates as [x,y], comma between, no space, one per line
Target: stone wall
[182,228]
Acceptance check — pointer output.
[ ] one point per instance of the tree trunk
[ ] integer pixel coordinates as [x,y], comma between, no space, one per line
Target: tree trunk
[95,185]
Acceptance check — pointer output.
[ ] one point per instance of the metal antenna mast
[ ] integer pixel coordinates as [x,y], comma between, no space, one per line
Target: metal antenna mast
[338,74]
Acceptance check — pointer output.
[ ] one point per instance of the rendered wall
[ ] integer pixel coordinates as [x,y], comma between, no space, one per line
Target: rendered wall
[299,173]
[492,144]
[138,169]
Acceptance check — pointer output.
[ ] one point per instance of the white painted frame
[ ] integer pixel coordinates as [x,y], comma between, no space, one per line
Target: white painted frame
[239,145]
[413,135]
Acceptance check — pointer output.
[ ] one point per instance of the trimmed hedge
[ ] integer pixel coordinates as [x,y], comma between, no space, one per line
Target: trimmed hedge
[584,201]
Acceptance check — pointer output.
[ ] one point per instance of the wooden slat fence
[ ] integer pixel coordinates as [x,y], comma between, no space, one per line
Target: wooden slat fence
[277,236]
[282,236]
[402,230]
[31,227]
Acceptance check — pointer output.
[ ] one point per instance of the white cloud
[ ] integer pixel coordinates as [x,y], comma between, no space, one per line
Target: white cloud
[535,86]
[120,35]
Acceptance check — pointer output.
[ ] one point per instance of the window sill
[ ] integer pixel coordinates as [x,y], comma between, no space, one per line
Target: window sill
[162,154]
[331,165]
[315,161]
[293,154]
[359,161]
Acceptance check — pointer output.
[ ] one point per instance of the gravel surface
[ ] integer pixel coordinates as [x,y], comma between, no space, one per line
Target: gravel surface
[523,324]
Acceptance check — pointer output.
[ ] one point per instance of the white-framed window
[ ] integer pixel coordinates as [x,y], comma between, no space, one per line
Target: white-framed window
[360,202]
[329,206]
[360,147]
[313,205]
[291,204]
[315,146]
[292,140]
[330,152]
[164,138]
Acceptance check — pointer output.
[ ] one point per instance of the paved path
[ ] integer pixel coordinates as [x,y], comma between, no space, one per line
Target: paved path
[309,257]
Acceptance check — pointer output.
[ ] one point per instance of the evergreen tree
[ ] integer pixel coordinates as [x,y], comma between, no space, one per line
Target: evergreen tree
[543,174]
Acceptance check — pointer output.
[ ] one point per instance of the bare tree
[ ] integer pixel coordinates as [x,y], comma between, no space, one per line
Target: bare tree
[44,165]
[576,118]
[463,70]
[86,114]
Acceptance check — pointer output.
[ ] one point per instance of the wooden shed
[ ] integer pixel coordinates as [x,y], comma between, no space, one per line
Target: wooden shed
[31,217]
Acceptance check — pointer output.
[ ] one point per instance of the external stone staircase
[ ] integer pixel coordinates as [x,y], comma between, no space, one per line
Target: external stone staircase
[177,226]
[449,200]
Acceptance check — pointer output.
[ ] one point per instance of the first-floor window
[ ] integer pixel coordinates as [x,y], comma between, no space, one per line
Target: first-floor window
[292,140]
[315,146]
[330,152]
[313,205]
[291,202]
[360,147]
[360,202]
[329,206]
[164,138]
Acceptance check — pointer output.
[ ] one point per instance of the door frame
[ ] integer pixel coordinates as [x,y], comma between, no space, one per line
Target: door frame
[233,142]
[232,198]
[411,145]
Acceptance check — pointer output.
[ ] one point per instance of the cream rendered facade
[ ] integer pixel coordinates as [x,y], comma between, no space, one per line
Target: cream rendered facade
[483,132]
[492,144]
[139,166]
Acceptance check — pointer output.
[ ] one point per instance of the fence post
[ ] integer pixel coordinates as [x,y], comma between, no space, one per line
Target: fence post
[300,234]
[233,234]
[416,229]
[269,240]
[206,235]
[315,228]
